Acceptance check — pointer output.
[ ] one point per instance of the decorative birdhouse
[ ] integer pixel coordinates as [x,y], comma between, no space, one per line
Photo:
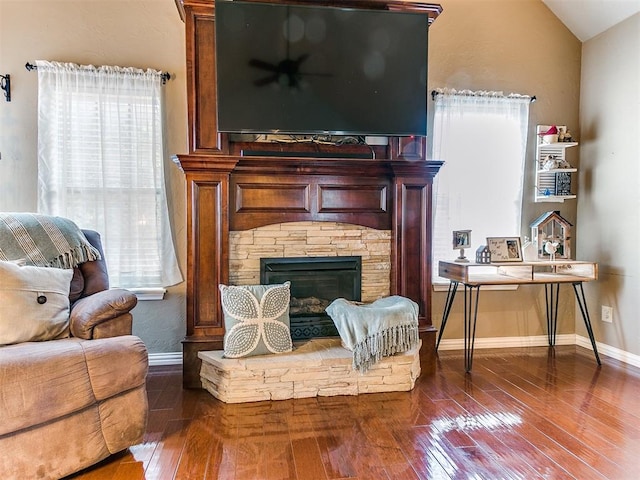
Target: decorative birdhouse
[551,234]
[483,254]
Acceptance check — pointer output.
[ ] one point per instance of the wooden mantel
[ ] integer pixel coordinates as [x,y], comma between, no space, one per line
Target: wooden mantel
[228,190]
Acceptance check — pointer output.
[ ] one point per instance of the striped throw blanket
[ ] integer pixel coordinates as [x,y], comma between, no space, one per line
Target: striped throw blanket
[43,240]
[375,330]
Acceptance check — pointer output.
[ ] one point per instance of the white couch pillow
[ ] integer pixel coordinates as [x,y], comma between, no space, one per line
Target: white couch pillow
[34,303]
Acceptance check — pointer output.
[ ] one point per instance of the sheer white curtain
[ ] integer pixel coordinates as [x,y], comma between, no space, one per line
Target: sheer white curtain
[482,138]
[100,163]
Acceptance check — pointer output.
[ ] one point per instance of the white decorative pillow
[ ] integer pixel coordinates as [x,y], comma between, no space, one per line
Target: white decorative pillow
[256,319]
[34,303]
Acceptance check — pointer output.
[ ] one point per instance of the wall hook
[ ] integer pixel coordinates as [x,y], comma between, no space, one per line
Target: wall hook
[5,84]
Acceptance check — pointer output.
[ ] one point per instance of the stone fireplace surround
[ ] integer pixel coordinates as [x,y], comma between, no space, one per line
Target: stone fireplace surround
[389,189]
[313,239]
[317,366]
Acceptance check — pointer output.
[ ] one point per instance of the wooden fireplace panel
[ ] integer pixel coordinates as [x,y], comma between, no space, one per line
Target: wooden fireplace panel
[408,148]
[202,91]
[209,246]
[366,199]
[257,200]
[413,232]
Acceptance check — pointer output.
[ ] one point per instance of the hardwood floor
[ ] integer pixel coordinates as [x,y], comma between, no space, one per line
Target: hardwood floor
[524,413]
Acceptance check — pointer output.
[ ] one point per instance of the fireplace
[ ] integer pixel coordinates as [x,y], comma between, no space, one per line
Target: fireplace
[238,194]
[237,186]
[315,283]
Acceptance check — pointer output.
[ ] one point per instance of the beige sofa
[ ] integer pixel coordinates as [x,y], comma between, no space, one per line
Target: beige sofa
[68,403]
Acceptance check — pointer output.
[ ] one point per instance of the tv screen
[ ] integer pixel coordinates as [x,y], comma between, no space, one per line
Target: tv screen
[298,69]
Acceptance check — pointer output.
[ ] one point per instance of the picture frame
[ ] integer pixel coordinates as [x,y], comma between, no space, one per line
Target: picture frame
[505,249]
[461,239]
[563,183]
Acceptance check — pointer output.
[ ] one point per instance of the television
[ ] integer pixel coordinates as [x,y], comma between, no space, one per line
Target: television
[311,69]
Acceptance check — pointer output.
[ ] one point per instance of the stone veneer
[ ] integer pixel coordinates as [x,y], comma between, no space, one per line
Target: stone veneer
[313,239]
[321,366]
[318,367]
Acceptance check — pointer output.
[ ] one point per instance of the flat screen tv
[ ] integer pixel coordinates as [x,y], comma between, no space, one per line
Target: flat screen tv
[304,69]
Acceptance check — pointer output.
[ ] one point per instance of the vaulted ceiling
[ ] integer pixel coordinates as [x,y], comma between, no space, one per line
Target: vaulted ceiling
[588,18]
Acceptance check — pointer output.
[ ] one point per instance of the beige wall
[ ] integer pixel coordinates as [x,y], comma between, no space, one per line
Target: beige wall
[510,45]
[135,33]
[610,181]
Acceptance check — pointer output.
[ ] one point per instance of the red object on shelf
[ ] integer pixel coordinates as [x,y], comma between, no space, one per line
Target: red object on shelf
[552,131]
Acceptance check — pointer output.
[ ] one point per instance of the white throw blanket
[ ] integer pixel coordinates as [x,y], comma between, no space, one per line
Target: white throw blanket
[379,329]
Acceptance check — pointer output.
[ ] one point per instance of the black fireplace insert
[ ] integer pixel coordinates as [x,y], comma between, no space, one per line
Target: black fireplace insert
[315,283]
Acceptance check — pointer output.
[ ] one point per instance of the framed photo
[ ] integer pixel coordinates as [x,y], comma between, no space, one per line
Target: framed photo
[461,239]
[563,183]
[505,249]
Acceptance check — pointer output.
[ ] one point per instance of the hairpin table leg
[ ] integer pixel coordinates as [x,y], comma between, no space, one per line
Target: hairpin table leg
[470,318]
[451,295]
[585,316]
[551,295]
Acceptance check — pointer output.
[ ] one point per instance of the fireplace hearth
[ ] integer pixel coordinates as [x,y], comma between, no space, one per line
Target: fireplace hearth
[315,283]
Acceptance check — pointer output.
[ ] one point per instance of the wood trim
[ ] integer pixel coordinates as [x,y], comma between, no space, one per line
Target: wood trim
[203,137]
[432,10]
[208,256]
[408,148]
[412,234]
[191,362]
[308,150]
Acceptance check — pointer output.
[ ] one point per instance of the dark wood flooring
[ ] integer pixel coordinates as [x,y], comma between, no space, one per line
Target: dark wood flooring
[524,413]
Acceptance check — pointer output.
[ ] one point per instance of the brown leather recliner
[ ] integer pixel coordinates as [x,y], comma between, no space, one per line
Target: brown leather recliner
[96,311]
[69,403]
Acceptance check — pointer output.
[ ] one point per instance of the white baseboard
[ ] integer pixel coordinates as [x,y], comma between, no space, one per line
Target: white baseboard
[170,358]
[608,350]
[542,341]
[507,342]
[175,358]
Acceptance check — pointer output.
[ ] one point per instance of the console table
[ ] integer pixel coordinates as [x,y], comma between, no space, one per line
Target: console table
[550,274]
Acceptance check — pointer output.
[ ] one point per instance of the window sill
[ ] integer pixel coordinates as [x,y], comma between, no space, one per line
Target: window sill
[146,294]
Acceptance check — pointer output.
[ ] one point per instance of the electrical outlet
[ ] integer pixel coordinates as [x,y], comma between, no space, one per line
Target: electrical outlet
[607,314]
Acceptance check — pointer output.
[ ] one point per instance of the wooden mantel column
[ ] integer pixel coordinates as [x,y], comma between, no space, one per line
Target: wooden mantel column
[411,245]
[207,257]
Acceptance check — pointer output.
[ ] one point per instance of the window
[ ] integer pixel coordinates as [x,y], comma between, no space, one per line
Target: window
[100,163]
[482,138]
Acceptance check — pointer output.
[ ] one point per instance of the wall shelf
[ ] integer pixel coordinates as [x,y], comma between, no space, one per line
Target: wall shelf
[554,198]
[552,184]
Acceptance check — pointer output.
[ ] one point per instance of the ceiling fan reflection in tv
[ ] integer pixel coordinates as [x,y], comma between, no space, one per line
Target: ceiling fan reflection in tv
[286,72]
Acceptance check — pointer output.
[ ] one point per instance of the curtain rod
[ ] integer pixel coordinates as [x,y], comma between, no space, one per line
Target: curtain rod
[435,93]
[164,75]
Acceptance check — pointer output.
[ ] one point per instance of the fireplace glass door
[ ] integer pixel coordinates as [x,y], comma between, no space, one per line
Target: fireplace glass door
[315,283]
